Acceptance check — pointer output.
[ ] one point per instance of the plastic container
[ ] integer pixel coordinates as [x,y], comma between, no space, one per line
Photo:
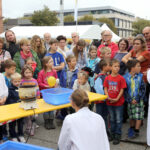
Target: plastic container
[57,96]
[10,145]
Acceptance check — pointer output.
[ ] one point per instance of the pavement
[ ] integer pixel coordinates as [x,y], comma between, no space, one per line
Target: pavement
[49,138]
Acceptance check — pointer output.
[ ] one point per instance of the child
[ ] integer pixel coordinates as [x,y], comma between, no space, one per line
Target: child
[82,81]
[3,96]
[101,107]
[13,97]
[30,61]
[134,95]
[58,58]
[92,61]
[105,54]
[27,75]
[114,85]
[46,72]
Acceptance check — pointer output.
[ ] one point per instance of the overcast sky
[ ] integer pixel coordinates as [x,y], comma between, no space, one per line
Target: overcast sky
[17,8]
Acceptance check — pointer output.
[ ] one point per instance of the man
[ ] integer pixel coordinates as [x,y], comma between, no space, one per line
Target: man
[146,33]
[47,38]
[75,39]
[107,36]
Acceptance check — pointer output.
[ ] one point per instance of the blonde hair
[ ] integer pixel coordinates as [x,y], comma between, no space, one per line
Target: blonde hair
[69,57]
[24,42]
[104,50]
[45,60]
[16,75]
[83,73]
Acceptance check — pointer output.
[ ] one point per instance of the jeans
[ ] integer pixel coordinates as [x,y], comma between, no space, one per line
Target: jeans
[101,109]
[116,117]
[1,134]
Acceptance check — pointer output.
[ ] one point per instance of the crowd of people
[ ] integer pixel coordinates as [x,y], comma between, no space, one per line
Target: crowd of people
[118,70]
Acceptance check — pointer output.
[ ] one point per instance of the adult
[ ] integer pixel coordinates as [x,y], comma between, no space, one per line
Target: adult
[146,33]
[140,53]
[47,38]
[130,40]
[83,130]
[75,39]
[107,36]
[25,53]
[38,46]
[4,55]
[62,48]
[11,44]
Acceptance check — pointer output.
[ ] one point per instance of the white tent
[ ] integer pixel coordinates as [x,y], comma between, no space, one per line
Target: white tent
[85,31]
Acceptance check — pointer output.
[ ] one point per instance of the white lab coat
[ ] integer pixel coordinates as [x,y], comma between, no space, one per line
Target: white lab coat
[83,130]
[3,87]
[148,120]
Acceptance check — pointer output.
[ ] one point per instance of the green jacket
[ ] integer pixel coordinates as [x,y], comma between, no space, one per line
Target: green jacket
[17,59]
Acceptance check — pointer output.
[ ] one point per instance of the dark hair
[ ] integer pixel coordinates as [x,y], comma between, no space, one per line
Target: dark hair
[88,70]
[126,41]
[9,63]
[113,61]
[61,37]
[103,63]
[45,61]
[25,67]
[52,41]
[132,63]
[69,57]
[80,98]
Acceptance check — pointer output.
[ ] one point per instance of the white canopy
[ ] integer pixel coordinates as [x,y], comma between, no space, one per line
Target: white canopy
[85,31]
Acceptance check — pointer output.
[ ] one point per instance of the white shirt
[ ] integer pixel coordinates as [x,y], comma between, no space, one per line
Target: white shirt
[83,130]
[3,87]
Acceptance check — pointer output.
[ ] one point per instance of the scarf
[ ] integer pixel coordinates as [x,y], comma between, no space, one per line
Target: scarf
[25,56]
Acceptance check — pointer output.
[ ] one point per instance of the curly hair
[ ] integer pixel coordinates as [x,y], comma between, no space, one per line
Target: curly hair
[41,48]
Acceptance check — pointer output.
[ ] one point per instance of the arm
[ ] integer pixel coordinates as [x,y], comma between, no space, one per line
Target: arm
[41,83]
[127,96]
[75,85]
[148,76]
[38,62]
[17,60]
[98,86]
[60,67]
[126,58]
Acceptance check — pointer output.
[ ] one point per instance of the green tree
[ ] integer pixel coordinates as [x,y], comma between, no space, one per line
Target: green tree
[139,25]
[109,22]
[44,17]
[87,18]
[69,18]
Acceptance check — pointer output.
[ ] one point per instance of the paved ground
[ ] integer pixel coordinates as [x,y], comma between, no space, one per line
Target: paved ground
[49,138]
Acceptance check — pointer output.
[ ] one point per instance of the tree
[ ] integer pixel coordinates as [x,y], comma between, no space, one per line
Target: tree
[87,18]
[109,22]
[44,17]
[68,18]
[139,25]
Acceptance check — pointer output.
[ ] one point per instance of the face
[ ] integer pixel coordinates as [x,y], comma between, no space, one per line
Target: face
[10,70]
[28,74]
[137,68]
[75,37]
[50,63]
[107,36]
[26,48]
[1,45]
[146,33]
[137,45]
[30,62]
[122,46]
[93,53]
[16,82]
[80,48]
[107,68]
[73,62]
[54,46]
[115,68]
[62,43]
[38,42]
[10,37]
[130,40]
[107,55]
[82,80]
[47,37]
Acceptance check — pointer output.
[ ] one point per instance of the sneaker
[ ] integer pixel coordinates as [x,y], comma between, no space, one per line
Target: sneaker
[136,134]
[22,139]
[5,138]
[116,139]
[14,139]
[131,133]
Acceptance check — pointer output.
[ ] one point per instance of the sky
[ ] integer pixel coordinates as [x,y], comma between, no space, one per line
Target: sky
[17,8]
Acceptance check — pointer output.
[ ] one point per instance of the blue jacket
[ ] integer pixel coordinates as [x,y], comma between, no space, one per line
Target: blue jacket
[63,78]
[13,96]
[136,92]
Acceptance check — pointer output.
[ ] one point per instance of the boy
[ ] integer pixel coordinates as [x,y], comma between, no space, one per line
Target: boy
[105,54]
[114,85]
[134,95]
[13,97]
[58,59]
[101,107]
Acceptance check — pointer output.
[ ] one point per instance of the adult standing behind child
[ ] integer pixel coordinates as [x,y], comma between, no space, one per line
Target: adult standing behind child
[43,76]
[13,97]
[114,86]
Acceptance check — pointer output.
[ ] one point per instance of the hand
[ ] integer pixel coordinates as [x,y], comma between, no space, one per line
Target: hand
[134,102]
[114,100]
[2,101]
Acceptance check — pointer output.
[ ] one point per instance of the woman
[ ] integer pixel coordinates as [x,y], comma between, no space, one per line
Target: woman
[25,53]
[4,55]
[140,53]
[11,46]
[38,46]
[83,130]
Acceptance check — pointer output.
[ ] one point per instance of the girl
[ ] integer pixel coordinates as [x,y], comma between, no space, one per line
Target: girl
[92,61]
[27,74]
[44,74]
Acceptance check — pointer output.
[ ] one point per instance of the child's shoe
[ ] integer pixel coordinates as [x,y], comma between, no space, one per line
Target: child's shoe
[14,139]
[22,139]
[5,138]
[116,139]
[131,133]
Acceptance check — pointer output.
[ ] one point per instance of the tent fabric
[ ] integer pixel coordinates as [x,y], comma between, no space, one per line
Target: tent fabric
[85,31]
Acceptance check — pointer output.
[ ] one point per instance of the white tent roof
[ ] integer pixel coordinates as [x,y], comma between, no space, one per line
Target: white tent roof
[85,31]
